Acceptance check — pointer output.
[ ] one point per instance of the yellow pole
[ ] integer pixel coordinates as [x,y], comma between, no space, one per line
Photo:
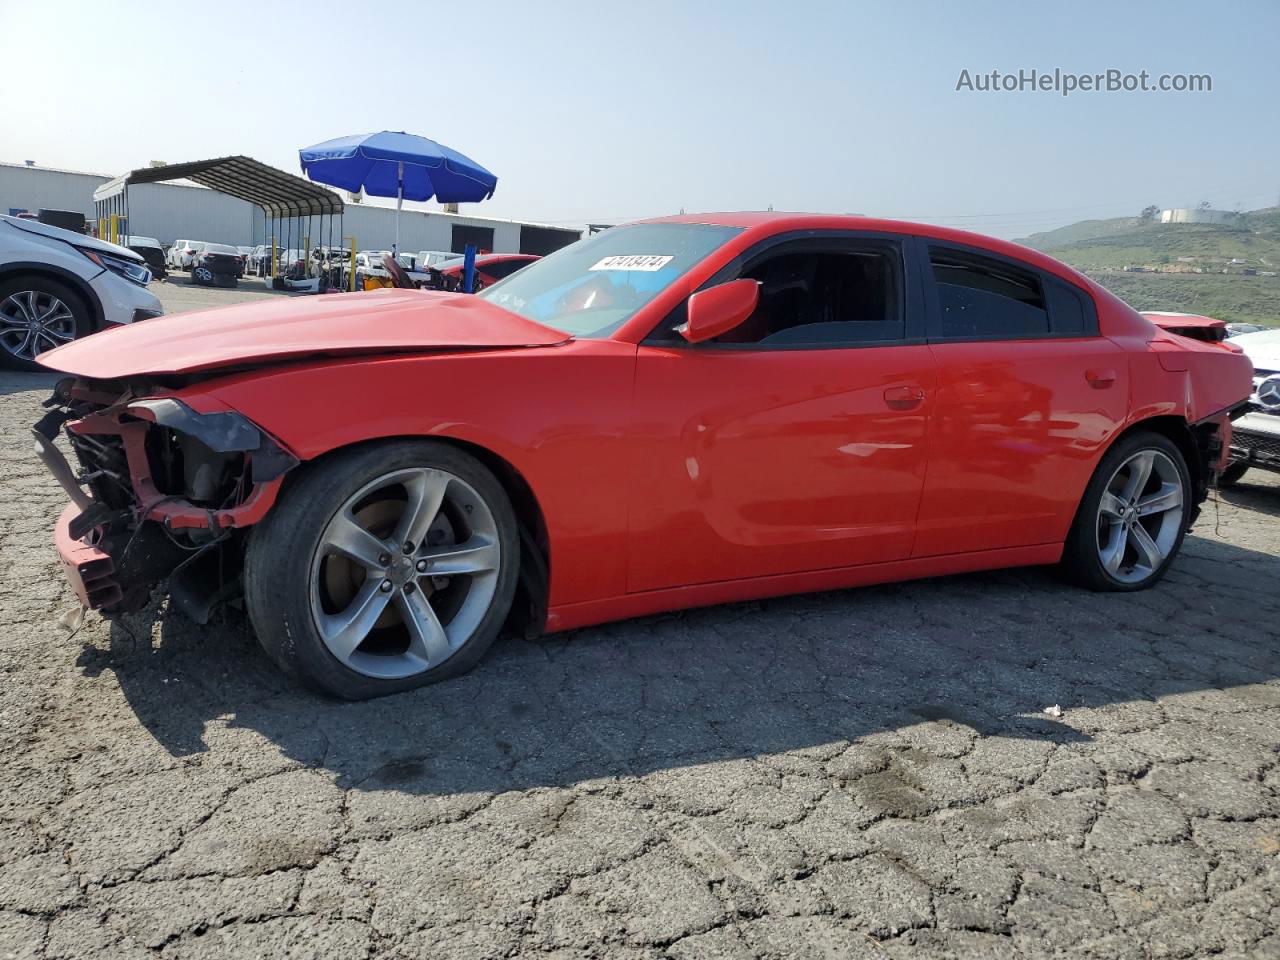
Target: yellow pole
[351,267]
[306,257]
[115,228]
[273,257]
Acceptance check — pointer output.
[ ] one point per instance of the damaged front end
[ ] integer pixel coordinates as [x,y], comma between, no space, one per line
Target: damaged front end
[160,491]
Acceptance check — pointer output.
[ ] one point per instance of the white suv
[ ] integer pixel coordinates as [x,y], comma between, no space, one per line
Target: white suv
[1255,437]
[182,255]
[57,286]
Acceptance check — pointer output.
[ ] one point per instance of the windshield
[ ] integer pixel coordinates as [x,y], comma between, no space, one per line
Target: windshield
[592,287]
[221,248]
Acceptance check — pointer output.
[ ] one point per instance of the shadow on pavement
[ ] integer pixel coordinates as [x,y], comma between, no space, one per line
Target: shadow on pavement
[13,381]
[1252,493]
[987,652]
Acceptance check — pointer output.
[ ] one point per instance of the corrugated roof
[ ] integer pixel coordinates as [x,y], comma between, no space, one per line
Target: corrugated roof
[278,193]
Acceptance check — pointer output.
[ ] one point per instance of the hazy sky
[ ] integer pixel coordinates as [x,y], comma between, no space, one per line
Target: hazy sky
[609,111]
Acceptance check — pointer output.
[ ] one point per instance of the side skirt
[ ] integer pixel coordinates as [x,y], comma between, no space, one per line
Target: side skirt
[572,615]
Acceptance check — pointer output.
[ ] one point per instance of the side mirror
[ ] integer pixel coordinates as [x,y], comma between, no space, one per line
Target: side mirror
[718,310]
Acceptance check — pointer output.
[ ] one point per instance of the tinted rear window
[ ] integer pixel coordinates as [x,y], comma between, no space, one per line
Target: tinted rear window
[980,297]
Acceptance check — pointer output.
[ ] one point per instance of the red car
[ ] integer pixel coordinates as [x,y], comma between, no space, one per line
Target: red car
[490,268]
[671,413]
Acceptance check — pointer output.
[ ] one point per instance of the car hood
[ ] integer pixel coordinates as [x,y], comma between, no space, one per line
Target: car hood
[1262,348]
[292,328]
[84,241]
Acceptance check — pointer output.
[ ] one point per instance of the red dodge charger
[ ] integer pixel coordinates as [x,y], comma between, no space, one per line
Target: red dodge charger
[677,412]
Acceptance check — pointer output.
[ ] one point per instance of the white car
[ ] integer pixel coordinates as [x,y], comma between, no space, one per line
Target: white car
[1255,437]
[431,258]
[56,286]
[369,264]
[182,254]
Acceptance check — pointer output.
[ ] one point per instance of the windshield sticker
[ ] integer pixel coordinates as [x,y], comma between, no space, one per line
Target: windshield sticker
[642,261]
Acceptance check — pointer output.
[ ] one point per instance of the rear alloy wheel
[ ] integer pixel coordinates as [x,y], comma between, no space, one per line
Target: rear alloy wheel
[1133,516]
[37,314]
[202,275]
[383,569]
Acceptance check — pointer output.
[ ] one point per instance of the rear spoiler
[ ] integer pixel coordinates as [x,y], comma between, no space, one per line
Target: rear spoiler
[1189,325]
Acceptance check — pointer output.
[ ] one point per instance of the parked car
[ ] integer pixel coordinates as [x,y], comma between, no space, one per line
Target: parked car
[431,258]
[258,262]
[57,286]
[667,414]
[1255,437]
[331,263]
[292,264]
[244,258]
[150,250]
[369,265]
[490,268]
[182,254]
[216,264]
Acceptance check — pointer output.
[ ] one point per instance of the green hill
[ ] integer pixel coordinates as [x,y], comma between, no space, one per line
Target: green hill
[1179,266]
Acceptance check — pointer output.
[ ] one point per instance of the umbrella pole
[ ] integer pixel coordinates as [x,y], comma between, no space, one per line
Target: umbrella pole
[395,250]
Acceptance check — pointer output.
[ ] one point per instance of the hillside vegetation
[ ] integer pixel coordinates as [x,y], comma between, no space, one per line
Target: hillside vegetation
[1104,248]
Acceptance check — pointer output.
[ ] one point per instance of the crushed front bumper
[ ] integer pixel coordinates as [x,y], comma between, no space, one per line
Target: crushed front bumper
[89,569]
[130,525]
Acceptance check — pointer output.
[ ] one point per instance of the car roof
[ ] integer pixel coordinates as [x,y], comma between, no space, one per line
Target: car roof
[767,222]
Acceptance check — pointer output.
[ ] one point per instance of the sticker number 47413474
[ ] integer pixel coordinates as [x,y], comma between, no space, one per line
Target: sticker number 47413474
[637,261]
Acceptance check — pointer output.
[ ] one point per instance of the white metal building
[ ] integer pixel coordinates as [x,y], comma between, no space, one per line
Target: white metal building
[172,211]
[1195,215]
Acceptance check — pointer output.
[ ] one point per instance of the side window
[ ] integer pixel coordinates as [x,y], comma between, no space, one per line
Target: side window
[824,298]
[980,298]
[502,269]
[1071,312]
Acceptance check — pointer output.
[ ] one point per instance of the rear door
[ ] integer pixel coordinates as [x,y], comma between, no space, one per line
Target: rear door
[1028,395]
[795,442]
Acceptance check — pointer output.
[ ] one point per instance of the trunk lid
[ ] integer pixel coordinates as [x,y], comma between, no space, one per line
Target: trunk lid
[1190,325]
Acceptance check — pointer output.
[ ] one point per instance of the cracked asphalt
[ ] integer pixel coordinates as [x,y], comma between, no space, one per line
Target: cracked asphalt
[861,774]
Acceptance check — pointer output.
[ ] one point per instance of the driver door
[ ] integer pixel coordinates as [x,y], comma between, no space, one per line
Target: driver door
[795,442]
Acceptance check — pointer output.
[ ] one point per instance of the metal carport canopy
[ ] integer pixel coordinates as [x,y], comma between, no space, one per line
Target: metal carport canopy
[278,193]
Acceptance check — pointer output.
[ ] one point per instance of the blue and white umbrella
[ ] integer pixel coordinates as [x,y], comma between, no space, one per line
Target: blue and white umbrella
[399,165]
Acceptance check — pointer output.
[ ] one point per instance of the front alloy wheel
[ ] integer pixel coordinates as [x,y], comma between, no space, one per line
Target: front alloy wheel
[383,568]
[37,314]
[404,573]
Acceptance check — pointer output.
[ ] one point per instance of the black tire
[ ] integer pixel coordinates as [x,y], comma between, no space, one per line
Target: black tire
[1233,473]
[1081,560]
[80,325]
[282,548]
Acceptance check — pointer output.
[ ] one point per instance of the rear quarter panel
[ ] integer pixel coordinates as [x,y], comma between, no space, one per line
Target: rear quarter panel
[558,415]
[1171,375]
[1177,376]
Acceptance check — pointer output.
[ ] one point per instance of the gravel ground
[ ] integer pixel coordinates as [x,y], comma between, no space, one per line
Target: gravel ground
[865,774]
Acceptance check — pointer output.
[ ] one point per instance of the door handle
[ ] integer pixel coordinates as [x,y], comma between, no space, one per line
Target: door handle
[1100,379]
[904,396]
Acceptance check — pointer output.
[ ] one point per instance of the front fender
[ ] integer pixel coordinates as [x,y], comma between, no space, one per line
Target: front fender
[560,416]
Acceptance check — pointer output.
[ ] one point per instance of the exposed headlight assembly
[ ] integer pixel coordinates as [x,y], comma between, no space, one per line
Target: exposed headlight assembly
[128,269]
